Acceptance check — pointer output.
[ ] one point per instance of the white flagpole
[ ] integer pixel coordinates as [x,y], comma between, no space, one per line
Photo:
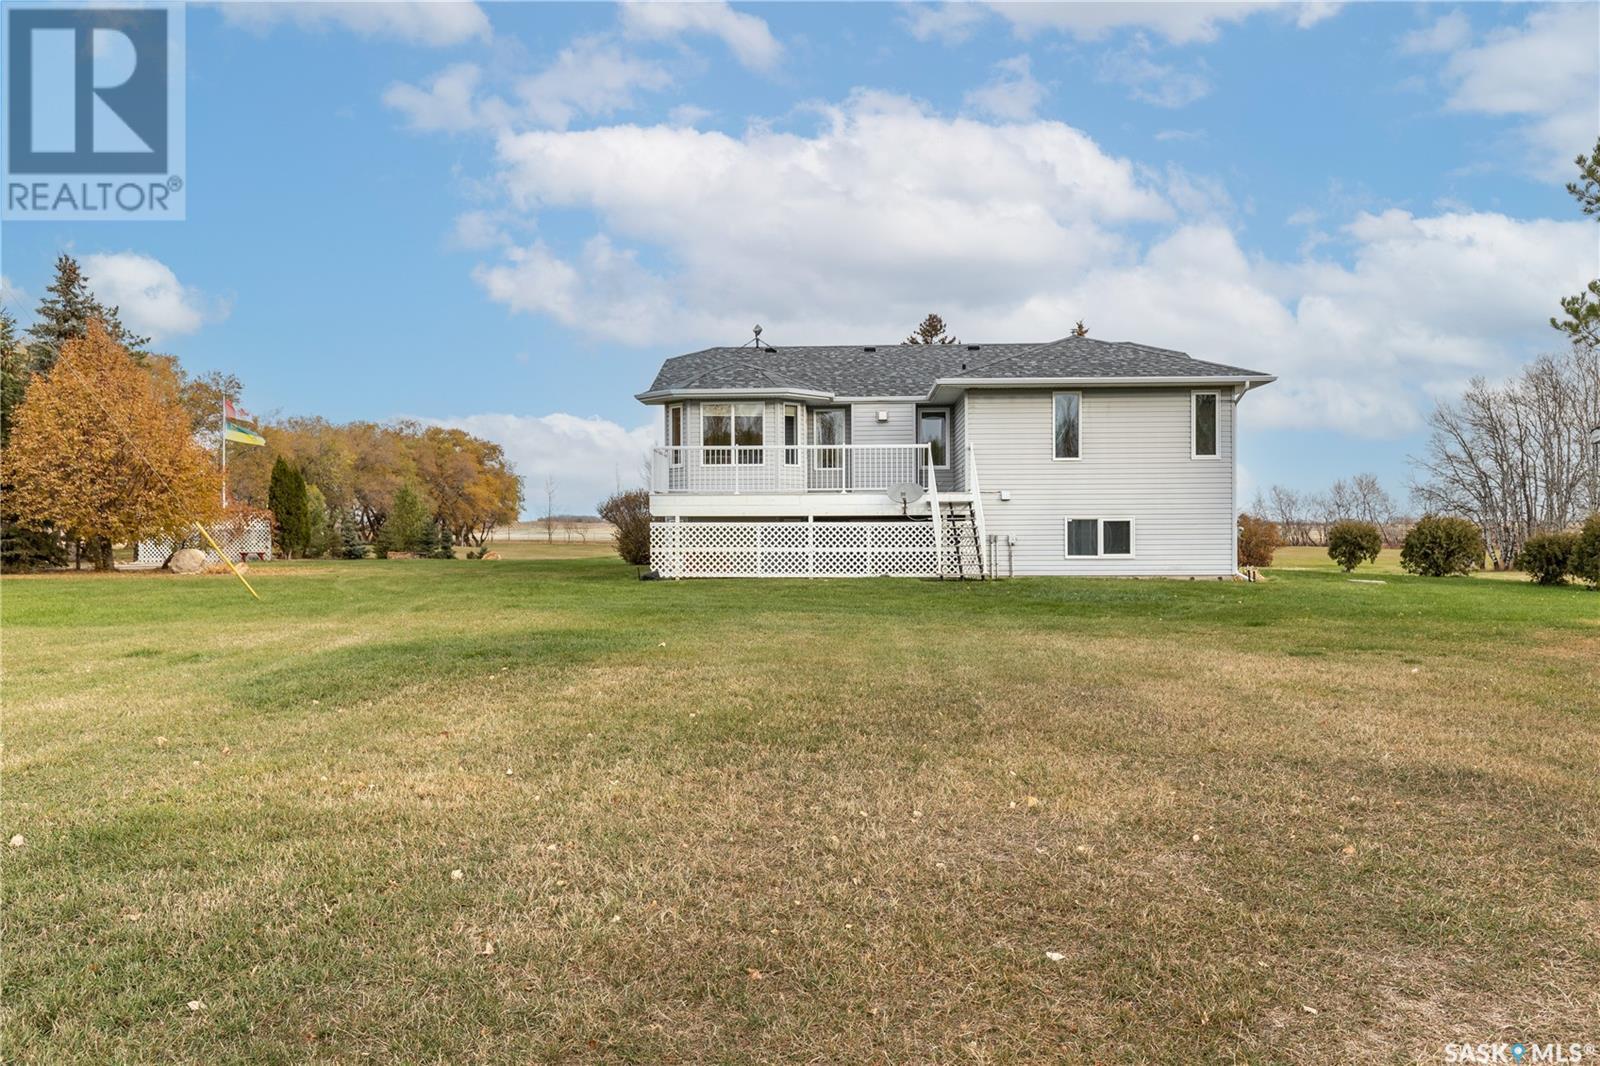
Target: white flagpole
[224,451]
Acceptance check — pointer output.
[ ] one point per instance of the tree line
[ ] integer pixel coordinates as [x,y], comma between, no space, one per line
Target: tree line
[103,441]
[359,468]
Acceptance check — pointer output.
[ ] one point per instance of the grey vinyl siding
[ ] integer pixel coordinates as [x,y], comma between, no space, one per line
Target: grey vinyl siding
[957,481]
[1135,463]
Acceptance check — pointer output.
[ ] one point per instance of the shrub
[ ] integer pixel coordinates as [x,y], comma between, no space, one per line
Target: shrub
[1439,545]
[1258,539]
[629,512]
[1546,557]
[1585,563]
[1352,543]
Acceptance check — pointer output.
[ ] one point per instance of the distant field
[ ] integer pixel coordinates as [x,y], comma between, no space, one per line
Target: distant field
[1388,563]
[1301,820]
[597,546]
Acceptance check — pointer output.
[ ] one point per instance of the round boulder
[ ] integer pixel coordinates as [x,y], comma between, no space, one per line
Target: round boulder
[187,561]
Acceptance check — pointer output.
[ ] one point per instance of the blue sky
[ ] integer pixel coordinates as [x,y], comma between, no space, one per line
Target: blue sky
[504,215]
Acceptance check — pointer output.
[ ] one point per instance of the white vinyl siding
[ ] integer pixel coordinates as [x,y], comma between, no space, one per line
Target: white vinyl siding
[1135,448]
[900,429]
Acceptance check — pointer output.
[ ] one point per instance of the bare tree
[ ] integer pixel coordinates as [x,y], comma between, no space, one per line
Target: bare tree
[1512,457]
[549,508]
[1287,509]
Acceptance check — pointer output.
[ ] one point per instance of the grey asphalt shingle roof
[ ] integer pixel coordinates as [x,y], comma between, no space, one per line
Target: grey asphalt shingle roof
[912,369]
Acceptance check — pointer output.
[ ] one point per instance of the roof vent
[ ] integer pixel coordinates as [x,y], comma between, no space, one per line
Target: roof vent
[869,348]
[963,366]
[973,347]
[773,350]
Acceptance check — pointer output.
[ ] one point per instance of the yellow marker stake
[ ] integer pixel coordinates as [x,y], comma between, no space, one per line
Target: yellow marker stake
[224,556]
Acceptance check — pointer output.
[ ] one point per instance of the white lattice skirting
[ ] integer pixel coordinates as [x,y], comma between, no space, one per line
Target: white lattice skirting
[252,538]
[793,549]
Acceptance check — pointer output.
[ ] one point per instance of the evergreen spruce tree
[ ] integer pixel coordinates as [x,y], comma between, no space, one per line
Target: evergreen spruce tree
[351,546]
[447,543]
[64,315]
[428,541]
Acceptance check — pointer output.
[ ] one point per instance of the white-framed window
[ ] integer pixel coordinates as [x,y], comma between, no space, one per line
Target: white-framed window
[1204,426]
[791,434]
[933,427]
[1097,538]
[675,433]
[732,433]
[1068,435]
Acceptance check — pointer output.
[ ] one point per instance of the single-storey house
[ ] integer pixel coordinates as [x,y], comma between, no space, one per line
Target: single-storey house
[1072,456]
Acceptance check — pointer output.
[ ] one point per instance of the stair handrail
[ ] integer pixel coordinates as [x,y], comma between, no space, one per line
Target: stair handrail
[977,513]
[938,519]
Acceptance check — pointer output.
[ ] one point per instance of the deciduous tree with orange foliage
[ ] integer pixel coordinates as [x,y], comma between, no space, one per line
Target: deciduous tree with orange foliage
[105,451]
[472,487]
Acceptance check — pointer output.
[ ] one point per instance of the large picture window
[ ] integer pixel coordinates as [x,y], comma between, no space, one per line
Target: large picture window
[1099,537]
[933,428]
[1068,424]
[731,433]
[1205,425]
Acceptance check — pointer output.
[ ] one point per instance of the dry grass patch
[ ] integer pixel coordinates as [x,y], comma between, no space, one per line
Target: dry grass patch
[836,821]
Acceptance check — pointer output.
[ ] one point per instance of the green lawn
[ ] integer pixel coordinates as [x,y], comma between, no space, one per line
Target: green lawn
[1306,819]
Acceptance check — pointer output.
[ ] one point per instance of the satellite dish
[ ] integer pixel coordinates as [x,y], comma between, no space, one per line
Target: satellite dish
[906,492]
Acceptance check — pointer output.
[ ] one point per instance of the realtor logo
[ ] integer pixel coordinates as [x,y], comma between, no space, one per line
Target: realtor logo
[94,112]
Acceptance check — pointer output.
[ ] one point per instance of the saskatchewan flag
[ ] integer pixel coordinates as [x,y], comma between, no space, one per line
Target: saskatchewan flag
[232,430]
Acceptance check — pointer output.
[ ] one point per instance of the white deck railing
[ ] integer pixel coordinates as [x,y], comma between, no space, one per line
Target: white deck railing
[787,468]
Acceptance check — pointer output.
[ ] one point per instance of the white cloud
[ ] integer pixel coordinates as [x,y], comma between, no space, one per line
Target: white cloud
[950,23]
[426,22]
[1013,94]
[591,77]
[587,457]
[747,36]
[1180,135]
[1444,34]
[449,103]
[10,295]
[1177,23]
[1547,71]
[881,207]
[149,296]
[1422,304]
[1149,81]
[884,214]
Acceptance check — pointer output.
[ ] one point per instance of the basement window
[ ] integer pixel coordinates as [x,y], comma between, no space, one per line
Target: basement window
[1099,537]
